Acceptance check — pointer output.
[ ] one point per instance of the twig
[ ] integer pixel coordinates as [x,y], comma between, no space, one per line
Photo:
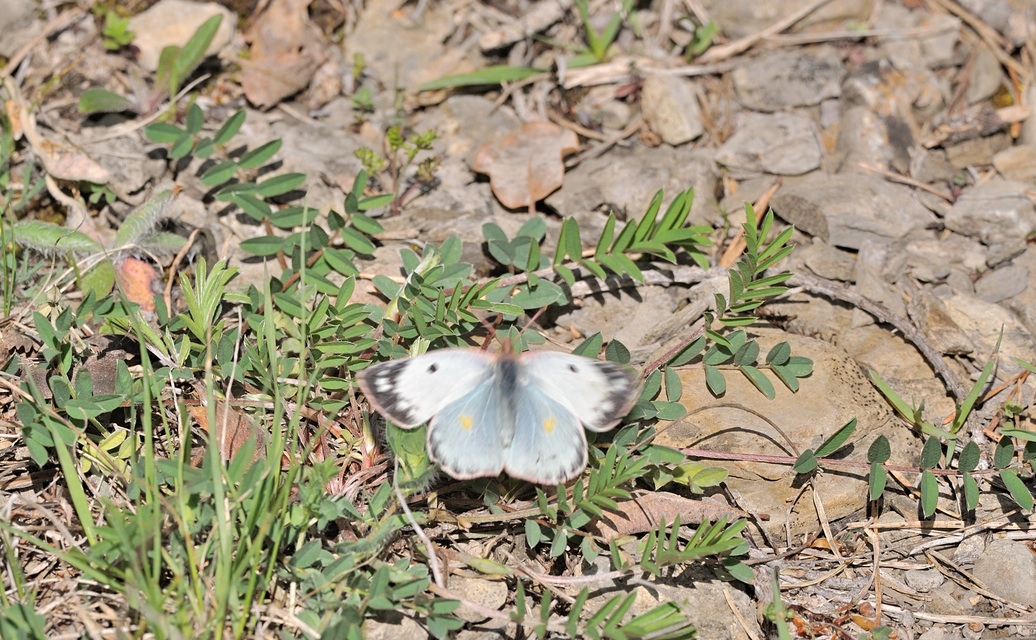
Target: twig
[906,328]
[731,49]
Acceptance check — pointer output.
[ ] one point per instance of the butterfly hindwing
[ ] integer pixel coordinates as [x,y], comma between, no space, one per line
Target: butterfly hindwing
[549,445]
[469,437]
[598,393]
[411,391]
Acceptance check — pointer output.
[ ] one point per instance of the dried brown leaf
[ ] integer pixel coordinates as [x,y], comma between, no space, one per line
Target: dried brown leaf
[239,429]
[285,52]
[526,165]
[648,509]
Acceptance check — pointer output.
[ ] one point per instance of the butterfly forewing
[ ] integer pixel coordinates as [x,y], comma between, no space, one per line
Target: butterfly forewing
[599,394]
[411,391]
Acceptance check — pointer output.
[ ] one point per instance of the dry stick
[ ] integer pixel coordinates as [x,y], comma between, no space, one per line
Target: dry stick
[909,332]
[992,38]
[895,177]
[731,49]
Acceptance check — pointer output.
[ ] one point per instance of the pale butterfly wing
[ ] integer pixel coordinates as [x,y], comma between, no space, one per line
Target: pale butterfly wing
[549,445]
[469,437]
[411,391]
[599,394]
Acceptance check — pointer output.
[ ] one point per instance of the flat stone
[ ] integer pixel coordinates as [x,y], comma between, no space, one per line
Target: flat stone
[865,138]
[990,325]
[827,261]
[1017,163]
[624,181]
[985,78]
[18,24]
[779,144]
[1008,569]
[1002,283]
[976,151]
[930,315]
[845,210]
[936,49]
[994,212]
[671,109]
[739,18]
[491,594]
[836,392]
[789,78]
[923,580]
[173,22]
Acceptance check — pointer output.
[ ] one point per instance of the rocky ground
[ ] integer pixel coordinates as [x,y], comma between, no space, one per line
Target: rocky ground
[897,137]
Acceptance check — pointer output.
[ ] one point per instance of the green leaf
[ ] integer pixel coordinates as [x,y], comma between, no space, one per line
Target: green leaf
[496,74]
[97,100]
[263,246]
[281,184]
[193,52]
[969,457]
[93,406]
[970,491]
[49,239]
[837,439]
[931,453]
[929,492]
[164,133]
[779,354]
[806,462]
[1003,453]
[195,119]
[229,128]
[714,381]
[1018,490]
[673,384]
[880,451]
[219,173]
[259,156]
[144,220]
[761,382]
[876,481]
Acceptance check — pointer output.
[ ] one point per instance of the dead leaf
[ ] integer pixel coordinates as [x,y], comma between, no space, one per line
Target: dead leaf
[138,279]
[525,166]
[239,429]
[647,509]
[286,50]
[14,116]
[67,163]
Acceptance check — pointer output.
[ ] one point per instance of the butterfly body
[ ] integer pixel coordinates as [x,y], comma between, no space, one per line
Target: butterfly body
[491,413]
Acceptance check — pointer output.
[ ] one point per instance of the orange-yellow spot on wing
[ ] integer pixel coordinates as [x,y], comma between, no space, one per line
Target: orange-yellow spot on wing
[549,424]
[466,422]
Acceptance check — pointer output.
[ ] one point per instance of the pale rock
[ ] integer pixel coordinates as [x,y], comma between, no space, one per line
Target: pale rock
[491,594]
[1017,163]
[976,152]
[671,109]
[625,181]
[173,22]
[995,212]
[983,322]
[779,144]
[1008,569]
[826,261]
[901,366]
[1002,283]
[739,18]
[931,317]
[865,138]
[787,78]
[836,392]
[985,78]
[845,210]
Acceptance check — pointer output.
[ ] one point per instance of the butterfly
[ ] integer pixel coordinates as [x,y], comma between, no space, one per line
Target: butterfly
[520,414]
